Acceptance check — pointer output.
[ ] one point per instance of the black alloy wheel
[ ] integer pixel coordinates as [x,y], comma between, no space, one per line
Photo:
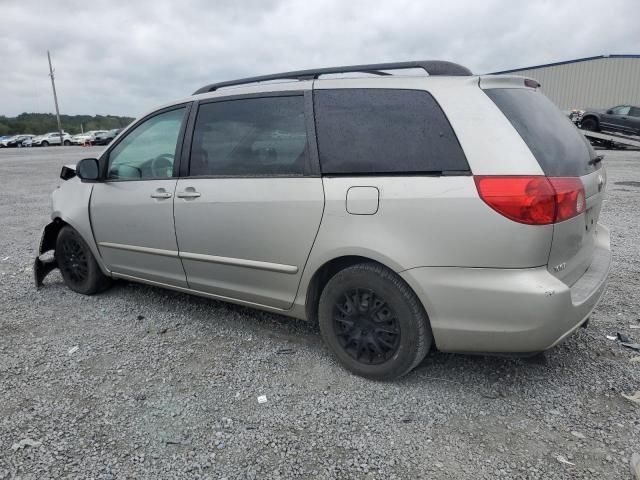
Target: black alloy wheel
[77,264]
[366,327]
[73,260]
[373,322]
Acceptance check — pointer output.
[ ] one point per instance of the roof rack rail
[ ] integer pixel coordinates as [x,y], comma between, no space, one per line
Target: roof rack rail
[431,67]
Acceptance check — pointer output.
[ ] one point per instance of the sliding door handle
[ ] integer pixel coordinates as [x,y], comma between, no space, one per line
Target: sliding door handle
[188,193]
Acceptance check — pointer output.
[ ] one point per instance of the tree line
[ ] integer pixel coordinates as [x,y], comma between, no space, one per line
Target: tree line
[39,123]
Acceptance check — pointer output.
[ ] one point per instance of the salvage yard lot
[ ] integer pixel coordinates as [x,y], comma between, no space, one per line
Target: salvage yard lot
[162,384]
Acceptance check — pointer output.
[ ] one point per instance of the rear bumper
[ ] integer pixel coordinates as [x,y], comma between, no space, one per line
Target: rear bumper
[508,310]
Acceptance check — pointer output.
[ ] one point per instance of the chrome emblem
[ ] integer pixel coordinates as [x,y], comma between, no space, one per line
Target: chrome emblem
[561,267]
[600,182]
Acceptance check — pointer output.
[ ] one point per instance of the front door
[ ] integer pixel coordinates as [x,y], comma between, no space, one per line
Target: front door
[634,120]
[248,213]
[617,118]
[132,209]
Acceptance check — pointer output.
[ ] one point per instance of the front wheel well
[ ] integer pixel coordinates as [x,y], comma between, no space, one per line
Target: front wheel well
[322,276]
[50,235]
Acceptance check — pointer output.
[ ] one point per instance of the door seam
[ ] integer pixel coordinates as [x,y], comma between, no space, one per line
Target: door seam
[175,230]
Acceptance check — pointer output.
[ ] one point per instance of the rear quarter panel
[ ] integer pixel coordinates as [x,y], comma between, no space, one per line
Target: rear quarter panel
[423,221]
[426,221]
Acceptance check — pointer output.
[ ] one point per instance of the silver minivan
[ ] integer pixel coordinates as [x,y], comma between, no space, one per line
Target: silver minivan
[400,212]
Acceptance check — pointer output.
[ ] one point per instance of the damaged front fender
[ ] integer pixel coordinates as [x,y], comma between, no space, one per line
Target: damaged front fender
[42,267]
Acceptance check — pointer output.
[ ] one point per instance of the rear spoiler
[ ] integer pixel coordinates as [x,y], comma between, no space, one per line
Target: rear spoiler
[506,81]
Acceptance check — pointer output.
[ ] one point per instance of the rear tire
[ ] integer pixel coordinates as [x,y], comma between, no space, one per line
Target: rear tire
[373,322]
[590,124]
[77,264]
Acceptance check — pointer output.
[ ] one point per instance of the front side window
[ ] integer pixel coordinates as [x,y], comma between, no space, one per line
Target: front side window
[621,110]
[250,137]
[148,151]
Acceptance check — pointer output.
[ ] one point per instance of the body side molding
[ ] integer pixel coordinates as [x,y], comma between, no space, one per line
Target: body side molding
[238,262]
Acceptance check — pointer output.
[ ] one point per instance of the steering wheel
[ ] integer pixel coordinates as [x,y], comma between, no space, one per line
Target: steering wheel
[162,165]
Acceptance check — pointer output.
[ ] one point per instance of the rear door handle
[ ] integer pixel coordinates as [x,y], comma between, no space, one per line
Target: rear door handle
[161,193]
[189,192]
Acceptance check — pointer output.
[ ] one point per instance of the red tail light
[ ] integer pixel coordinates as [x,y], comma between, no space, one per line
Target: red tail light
[570,199]
[533,200]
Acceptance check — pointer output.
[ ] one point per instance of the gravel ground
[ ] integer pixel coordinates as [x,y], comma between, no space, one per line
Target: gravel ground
[140,382]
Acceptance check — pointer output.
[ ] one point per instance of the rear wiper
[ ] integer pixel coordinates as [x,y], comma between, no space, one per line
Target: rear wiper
[596,160]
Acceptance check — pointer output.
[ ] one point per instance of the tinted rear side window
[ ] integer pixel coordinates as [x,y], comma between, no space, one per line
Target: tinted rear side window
[561,150]
[369,131]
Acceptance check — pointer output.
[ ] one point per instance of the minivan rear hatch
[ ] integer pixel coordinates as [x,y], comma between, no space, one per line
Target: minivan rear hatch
[561,151]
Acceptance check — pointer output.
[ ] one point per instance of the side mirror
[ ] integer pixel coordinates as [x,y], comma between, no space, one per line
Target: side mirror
[88,169]
[610,111]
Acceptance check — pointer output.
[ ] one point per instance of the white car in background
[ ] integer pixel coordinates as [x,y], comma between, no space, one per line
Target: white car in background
[51,138]
[86,137]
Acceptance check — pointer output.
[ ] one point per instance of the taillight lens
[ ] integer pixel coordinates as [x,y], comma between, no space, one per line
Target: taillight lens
[533,200]
[570,200]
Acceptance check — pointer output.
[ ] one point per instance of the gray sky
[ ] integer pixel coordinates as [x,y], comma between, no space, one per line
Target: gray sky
[125,57]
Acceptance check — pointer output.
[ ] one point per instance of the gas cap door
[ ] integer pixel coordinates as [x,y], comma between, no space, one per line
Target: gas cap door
[363,200]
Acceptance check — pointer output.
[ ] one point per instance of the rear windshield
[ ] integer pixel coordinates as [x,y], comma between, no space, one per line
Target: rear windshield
[561,150]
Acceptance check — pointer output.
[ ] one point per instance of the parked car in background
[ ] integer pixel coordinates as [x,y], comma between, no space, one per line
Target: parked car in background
[4,140]
[106,137]
[86,137]
[375,207]
[623,119]
[51,138]
[15,141]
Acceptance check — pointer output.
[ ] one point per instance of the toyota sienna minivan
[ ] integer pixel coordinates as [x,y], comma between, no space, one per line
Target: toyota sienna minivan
[401,212]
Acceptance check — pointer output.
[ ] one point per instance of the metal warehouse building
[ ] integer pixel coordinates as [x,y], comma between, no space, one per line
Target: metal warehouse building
[598,82]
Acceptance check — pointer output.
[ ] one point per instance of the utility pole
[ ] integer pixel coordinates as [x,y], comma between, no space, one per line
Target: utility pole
[55,98]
